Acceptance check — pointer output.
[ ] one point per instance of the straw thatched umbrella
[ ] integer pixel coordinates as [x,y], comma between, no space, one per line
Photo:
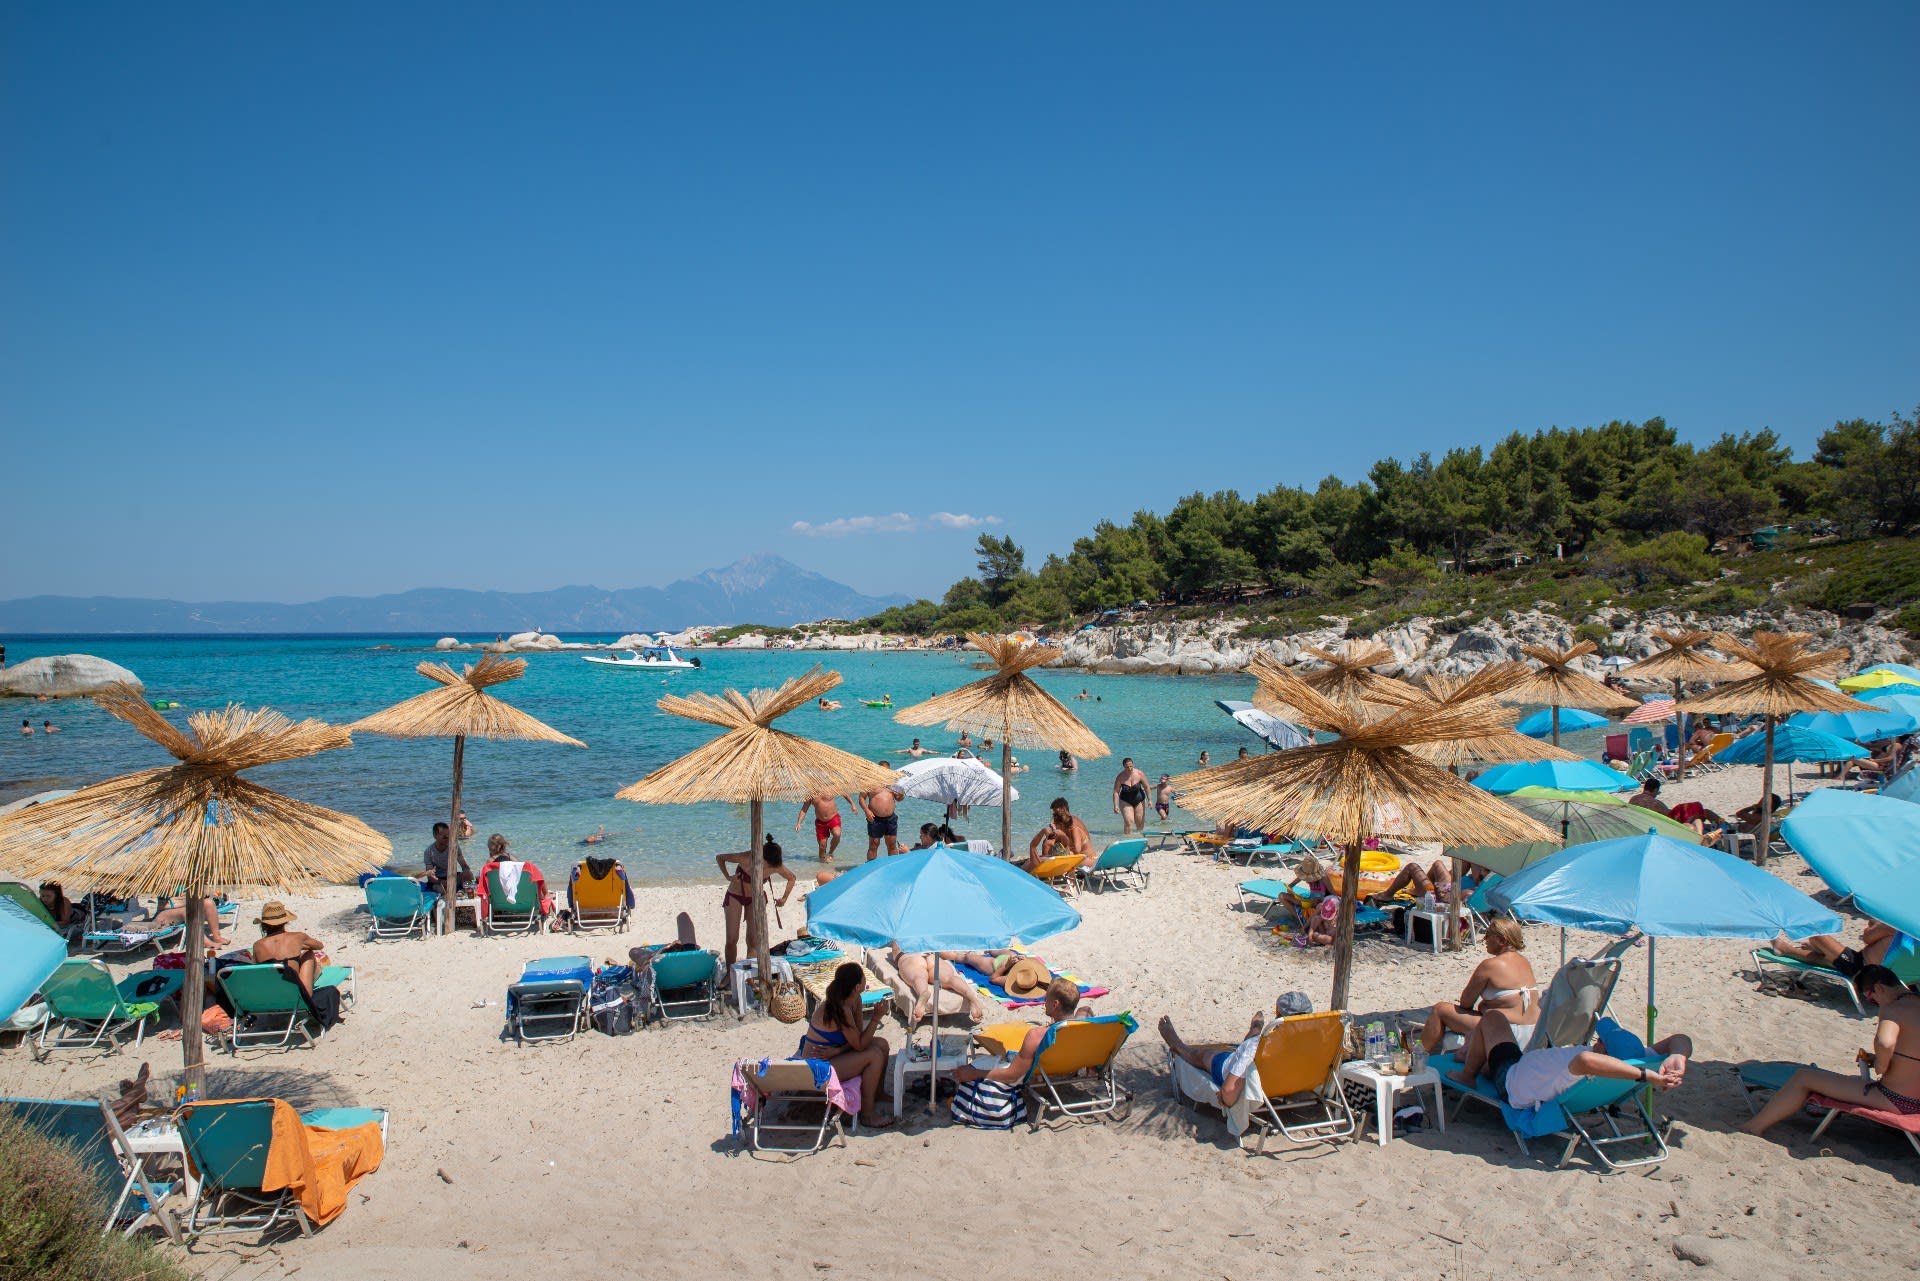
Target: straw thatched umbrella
[753,763]
[1782,684]
[1347,678]
[1556,684]
[460,708]
[1343,790]
[1009,704]
[196,827]
[1681,661]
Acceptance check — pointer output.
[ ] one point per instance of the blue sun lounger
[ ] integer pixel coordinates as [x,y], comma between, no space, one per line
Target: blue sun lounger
[1590,1113]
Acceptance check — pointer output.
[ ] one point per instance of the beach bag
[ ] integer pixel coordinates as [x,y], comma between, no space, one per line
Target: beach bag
[615,1019]
[990,1105]
[215,1020]
[788,1003]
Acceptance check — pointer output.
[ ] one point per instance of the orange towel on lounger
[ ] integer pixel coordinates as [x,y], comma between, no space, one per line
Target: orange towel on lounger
[320,1166]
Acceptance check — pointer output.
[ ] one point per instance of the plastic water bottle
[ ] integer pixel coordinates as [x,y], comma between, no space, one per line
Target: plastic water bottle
[1376,1042]
[1417,1060]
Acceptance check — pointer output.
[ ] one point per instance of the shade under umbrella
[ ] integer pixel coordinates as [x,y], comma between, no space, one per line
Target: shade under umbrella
[937,900]
[1540,724]
[1861,727]
[1659,709]
[29,952]
[1790,743]
[1281,735]
[952,780]
[1566,776]
[1581,818]
[1866,848]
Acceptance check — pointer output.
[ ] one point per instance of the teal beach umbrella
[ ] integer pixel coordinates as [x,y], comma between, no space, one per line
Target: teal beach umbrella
[29,951]
[1861,726]
[1540,724]
[1580,817]
[1567,776]
[1866,848]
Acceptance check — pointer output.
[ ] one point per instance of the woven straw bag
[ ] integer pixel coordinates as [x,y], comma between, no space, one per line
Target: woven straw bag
[788,1001]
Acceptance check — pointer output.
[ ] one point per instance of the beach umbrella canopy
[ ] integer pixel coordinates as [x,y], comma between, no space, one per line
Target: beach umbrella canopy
[1540,724]
[1864,847]
[1558,685]
[1881,678]
[1009,705]
[937,900]
[1786,671]
[1791,742]
[1658,709]
[459,707]
[1347,678]
[29,952]
[1869,725]
[1905,786]
[1580,818]
[196,827]
[953,780]
[1349,788]
[1893,698]
[1566,776]
[1270,729]
[753,763]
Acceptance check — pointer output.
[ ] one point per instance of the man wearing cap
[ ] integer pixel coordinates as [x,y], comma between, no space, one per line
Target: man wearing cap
[1229,1066]
[277,945]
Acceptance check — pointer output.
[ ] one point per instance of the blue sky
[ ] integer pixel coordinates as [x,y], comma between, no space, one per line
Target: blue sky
[355,298]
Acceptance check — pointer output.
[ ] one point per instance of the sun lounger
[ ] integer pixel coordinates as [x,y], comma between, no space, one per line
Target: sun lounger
[799,1097]
[686,985]
[1273,896]
[599,902]
[1795,972]
[1764,1078]
[954,1008]
[1282,853]
[260,1163]
[1072,1075]
[1118,862]
[1589,1114]
[522,912]
[549,1002]
[993,989]
[133,1196]
[131,939]
[1298,1063]
[1059,872]
[85,1009]
[270,1010]
[399,907]
[1571,1007]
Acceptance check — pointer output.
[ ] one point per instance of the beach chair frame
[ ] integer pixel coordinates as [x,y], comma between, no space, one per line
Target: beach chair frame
[546,1009]
[788,1091]
[1328,1114]
[1061,871]
[388,926]
[1116,864]
[94,1133]
[110,943]
[1836,1107]
[1600,1101]
[612,919]
[509,919]
[1770,966]
[1060,1086]
[109,1021]
[284,1016]
[687,992]
[229,1197]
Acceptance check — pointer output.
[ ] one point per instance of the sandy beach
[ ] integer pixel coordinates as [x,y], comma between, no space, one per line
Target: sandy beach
[612,1156]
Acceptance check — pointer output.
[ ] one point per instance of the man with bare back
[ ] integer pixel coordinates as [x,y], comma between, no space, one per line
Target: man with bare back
[826,823]
[883,824]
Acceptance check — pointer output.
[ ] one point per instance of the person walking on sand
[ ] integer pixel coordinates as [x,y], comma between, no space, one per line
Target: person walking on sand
[877,807]
[826,822]
[1130,797]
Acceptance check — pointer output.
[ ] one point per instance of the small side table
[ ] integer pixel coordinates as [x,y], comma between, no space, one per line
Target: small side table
[159,1136]
[1386,1086]
[954,1051]
[1436,920]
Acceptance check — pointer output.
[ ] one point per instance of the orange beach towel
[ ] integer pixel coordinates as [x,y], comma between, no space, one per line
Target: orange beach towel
[320,1166]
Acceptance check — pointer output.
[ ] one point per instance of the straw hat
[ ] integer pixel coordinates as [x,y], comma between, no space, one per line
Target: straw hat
[1026,978]
[274,913]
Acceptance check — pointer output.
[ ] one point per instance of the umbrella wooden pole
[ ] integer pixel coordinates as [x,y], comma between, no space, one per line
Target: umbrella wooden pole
[1006,793]
[1556,724]
[450,886]
[1766,802]
[757,909]
[1680,726]
[193,998]
[1453,907]
[1343,926]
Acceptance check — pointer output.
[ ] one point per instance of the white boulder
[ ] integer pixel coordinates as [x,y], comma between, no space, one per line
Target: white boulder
[62,675]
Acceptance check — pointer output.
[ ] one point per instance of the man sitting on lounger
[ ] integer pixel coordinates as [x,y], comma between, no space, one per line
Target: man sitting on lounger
[299,951]
[1063,834]
[1063,999]
[1229,1066]
[1537,1076]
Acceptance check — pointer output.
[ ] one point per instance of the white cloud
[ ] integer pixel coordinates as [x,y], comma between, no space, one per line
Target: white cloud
[892,523]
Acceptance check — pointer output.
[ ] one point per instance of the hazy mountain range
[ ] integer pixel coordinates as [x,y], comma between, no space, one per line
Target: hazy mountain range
[755,589]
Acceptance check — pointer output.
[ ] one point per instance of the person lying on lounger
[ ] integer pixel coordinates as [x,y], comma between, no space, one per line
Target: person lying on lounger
[1832,951]
[1436,880]
[1529,1078]
[1894,1058]
[166,916]
[1229,1066]
[1503,982]
[916,970]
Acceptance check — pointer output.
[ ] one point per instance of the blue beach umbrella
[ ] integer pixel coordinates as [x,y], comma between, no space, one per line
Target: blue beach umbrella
[1866,848]
[1861,727]
[1540,724]
[1894,698]
[1791,743]
[1567,776]
[1665,889]
[1905,786]
[29,952]
[937,900]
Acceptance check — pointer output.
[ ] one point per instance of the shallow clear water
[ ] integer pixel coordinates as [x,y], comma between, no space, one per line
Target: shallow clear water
[545,798]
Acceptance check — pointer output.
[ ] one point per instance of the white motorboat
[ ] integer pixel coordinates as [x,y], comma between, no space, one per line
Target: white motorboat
[654,658]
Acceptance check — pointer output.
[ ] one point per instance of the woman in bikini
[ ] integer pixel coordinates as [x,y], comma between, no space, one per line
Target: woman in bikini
[1503,982]
[737,868]
[1894,1058]
[837,1034]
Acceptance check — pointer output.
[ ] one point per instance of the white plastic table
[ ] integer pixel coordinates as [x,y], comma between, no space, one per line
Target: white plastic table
[1436,919]
[1387,1085]
[917,1060]
[159,1136]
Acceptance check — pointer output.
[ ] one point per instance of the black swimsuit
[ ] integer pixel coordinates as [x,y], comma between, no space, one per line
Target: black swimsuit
[1133,794]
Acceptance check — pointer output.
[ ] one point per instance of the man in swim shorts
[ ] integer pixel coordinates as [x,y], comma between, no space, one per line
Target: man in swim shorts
[1229,1066]
[826,823]
[883,824]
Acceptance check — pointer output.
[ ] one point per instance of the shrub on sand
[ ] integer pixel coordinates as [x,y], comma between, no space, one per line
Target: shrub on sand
[51,1210]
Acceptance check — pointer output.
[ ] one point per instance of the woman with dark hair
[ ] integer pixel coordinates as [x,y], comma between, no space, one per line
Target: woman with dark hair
[741,889]
[838,1035]
[1894,1060]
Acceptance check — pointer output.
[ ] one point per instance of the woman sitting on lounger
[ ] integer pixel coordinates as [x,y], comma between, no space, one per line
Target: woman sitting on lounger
[837,1034]
[1503,982]
[1894,1058]
[916,970]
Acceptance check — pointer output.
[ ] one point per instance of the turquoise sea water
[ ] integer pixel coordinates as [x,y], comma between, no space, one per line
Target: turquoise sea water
[545,798]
